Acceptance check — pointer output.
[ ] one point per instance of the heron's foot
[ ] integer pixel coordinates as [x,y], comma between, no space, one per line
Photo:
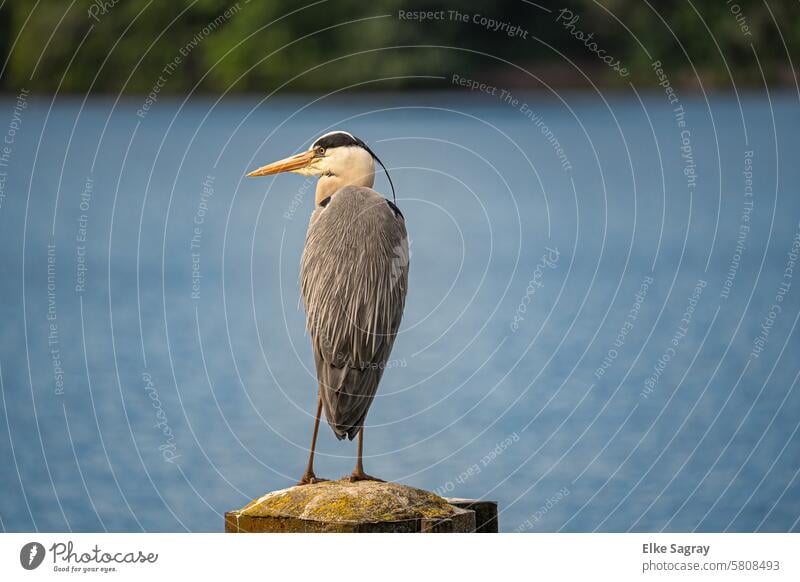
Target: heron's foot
[360,475]
[309,479]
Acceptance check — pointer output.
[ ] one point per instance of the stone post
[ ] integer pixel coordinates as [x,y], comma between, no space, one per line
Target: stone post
[361,507]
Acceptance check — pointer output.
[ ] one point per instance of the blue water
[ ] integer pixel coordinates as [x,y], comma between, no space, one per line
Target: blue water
[589,335]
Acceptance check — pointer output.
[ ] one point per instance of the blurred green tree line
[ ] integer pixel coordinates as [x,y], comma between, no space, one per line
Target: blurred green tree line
[258,46]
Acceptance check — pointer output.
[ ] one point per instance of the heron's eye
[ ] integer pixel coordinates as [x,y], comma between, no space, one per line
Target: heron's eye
[320,151]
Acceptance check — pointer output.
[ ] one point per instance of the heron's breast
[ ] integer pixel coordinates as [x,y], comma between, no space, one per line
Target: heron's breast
[353,215]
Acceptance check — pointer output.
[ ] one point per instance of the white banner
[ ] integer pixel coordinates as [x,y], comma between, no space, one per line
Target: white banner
[400,556]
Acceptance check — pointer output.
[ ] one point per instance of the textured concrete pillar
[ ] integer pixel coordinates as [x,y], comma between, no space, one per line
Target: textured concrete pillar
[361,507]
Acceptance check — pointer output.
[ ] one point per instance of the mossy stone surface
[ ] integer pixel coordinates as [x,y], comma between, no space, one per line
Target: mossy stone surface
[346,502]
[349,507]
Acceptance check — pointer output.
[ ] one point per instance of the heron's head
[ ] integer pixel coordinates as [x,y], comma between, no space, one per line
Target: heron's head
[337,153]
[339,158]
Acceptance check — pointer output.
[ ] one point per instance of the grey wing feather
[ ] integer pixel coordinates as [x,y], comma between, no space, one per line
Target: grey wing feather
[354,277]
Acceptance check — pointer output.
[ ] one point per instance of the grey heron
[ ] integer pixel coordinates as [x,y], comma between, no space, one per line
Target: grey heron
[353,279]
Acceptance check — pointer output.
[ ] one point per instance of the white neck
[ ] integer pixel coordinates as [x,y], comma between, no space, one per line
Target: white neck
[347,166]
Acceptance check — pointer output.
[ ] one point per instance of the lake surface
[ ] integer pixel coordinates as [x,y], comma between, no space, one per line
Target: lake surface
[600,331]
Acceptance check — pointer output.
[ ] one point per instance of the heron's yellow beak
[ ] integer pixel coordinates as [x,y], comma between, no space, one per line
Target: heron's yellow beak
[289,164]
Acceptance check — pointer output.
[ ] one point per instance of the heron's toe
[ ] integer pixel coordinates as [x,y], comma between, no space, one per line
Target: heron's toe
[361,476]
[310,479]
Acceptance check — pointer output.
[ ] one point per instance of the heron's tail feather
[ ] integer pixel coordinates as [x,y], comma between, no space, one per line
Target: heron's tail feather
[347,394]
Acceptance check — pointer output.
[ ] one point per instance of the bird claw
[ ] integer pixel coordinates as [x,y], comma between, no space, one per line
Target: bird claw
[362,476]
[310,479]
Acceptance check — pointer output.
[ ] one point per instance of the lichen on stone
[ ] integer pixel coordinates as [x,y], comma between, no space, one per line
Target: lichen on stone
[346,502]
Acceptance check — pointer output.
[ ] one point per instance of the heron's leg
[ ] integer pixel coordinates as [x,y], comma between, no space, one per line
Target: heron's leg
[358,473]
[309,477]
